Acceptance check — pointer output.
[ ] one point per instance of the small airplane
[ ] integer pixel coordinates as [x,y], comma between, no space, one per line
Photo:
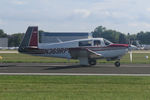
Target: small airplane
[87,51]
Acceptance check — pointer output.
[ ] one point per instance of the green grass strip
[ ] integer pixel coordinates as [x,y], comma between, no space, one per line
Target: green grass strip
[138,58]
[74,88]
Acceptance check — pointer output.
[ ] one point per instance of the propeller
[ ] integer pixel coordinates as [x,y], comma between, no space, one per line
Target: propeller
[131,57]
[131,47]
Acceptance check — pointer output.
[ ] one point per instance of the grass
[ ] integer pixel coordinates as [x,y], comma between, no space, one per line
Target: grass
[24,58]
[74,88]
[138,58]
[7,50]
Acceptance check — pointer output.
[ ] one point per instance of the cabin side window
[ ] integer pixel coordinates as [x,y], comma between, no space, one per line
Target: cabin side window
[85,43]
[97,43]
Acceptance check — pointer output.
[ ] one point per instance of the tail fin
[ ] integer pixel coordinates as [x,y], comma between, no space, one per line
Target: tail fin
[30,39]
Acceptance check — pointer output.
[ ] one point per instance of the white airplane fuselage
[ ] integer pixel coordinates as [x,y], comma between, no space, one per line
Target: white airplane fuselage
[62,49]
[85,50]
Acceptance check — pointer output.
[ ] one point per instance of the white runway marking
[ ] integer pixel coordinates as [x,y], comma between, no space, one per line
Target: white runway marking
[73,74]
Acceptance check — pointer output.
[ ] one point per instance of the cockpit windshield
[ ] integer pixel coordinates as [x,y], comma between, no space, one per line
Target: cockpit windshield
[107,42]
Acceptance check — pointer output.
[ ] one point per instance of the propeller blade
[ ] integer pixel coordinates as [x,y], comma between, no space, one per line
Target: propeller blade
[131,47]
[131,57]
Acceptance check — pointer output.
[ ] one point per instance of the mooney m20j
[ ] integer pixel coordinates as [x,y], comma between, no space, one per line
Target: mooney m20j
[87,51]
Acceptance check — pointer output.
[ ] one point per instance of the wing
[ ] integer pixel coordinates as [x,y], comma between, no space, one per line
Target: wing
[83,52]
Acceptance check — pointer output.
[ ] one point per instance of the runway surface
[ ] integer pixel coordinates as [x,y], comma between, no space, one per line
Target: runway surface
[73,69]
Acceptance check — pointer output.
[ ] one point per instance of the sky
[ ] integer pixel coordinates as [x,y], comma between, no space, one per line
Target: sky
[126,16]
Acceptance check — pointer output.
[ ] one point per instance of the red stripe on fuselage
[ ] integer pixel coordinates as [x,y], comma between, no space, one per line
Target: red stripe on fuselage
[118,45]
[112,47]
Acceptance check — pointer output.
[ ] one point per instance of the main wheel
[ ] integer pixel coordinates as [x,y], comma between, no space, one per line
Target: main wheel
[92,61]
[117,64]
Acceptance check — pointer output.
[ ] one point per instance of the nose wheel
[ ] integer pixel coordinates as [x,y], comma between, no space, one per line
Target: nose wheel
[117,63]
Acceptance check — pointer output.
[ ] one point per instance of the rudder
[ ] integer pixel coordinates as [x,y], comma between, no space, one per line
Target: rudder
[30,39]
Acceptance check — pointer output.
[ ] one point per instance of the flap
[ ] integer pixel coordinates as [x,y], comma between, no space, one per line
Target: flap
[83,52]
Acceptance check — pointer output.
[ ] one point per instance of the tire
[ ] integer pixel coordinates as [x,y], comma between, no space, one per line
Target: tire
[92,62]
[117,64]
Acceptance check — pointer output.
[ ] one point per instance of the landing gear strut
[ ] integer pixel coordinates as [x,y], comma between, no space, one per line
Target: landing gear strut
[92,62]
[117,63]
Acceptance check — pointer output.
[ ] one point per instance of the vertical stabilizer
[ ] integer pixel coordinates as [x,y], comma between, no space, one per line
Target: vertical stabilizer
[30,39]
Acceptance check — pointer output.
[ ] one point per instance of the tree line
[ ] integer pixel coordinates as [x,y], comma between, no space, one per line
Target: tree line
[14,40]
[114,36]
[118,37]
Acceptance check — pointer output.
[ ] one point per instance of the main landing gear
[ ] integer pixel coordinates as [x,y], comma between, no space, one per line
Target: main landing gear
[92,62]
[117,63]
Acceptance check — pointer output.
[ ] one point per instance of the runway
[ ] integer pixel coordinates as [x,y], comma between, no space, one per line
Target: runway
[73,69]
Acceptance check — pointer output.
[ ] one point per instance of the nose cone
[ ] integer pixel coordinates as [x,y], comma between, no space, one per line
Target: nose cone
[132,47]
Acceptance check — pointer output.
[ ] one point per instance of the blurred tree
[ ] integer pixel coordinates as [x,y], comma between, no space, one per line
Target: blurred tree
[111,35]
[122,39]
[2,34]
[143,37]
[14,40]
[98,31]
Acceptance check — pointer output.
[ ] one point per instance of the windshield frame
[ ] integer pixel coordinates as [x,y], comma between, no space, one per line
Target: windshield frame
[107,42]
